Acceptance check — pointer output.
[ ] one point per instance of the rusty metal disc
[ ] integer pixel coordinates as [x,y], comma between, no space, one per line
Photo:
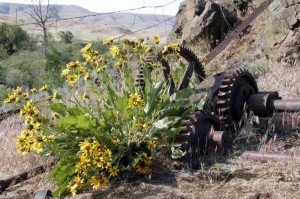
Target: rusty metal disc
[197,136]
[236,87]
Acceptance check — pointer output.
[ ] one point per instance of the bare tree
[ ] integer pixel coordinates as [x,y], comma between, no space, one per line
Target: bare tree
[41,14]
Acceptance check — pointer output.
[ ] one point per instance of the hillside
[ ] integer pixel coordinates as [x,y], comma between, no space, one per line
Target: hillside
[100,25]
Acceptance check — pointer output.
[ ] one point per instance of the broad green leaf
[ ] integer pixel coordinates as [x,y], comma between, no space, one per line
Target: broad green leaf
[152,98]
[58,108]
[164,125]
[202,102]
[177,153]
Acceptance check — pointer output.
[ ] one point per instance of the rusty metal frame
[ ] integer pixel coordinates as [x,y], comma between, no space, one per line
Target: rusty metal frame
[238,30]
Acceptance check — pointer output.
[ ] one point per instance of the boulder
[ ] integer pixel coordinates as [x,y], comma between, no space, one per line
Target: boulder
[203,19]
[286,14]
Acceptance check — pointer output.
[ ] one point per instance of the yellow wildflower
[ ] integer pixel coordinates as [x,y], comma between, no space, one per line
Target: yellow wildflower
[87,48]
[75,184]
[56,96]
[54,116]
[18,91]
[116,142]
[146,159]
[173,47]
[85,96]
[72,78]
[33,90]
[113,171]
[114,50]
[108,41]
[107,154]
[73,64]
[38,144]
[156,39]
[99,181]
[87,77]
[44,88]
[25,96]
[135,100]
[81,70]
[12,98]
[151,145]
[86,146]
[143,166]
[83,164]
[65,72]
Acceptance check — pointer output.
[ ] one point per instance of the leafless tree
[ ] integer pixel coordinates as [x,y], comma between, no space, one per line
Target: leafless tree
[41,14]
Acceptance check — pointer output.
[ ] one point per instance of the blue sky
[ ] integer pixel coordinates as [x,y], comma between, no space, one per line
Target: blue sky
[114,5]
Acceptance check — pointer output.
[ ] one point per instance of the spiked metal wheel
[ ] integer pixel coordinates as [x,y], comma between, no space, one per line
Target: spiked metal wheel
[235,89]
[201,132]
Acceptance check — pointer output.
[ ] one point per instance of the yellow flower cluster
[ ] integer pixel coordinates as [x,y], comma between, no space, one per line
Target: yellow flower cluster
[75,184]
[172,47]
[29,140]
[74,71]
[16,96]
[135,100]
[108,41]
[114,51]
[93,155]
[144,165]
[141,48]
[93,58]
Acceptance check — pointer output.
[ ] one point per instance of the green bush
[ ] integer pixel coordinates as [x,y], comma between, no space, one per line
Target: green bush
[102,131]
[13,38]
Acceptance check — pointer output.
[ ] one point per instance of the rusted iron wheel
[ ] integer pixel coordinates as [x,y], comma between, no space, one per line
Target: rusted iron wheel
[197,137]
[194,67]
[236,87]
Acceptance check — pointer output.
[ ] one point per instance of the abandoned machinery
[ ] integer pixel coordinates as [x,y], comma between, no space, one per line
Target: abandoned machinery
[232,93]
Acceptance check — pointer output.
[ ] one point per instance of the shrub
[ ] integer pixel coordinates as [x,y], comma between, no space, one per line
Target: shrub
[103,130]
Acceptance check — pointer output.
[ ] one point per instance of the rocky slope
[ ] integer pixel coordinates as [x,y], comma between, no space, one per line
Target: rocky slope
[273,36]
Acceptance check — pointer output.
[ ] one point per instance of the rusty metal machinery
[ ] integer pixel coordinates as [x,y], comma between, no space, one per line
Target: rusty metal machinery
[234,92]
[194,66]
[235,89]
[201,132]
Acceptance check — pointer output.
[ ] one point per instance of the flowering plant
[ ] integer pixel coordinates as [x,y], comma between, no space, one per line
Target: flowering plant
[109,125]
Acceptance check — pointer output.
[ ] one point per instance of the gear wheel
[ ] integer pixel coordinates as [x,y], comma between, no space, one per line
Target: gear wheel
[197,136]
[149,58]
[194,66]
[236,87]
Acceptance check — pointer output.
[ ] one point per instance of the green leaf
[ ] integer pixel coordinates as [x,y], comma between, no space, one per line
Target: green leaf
[80,122]
[59,108]
[152,98]
[202,102]
[177,153]
[163,127]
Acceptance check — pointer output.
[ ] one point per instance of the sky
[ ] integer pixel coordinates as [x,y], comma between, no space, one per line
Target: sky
[115,5]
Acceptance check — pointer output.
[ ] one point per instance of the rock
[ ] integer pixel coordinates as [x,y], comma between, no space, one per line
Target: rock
[286,14]
[201,19]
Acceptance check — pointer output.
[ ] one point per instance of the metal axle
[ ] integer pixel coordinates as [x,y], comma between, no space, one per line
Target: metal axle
[274,157]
